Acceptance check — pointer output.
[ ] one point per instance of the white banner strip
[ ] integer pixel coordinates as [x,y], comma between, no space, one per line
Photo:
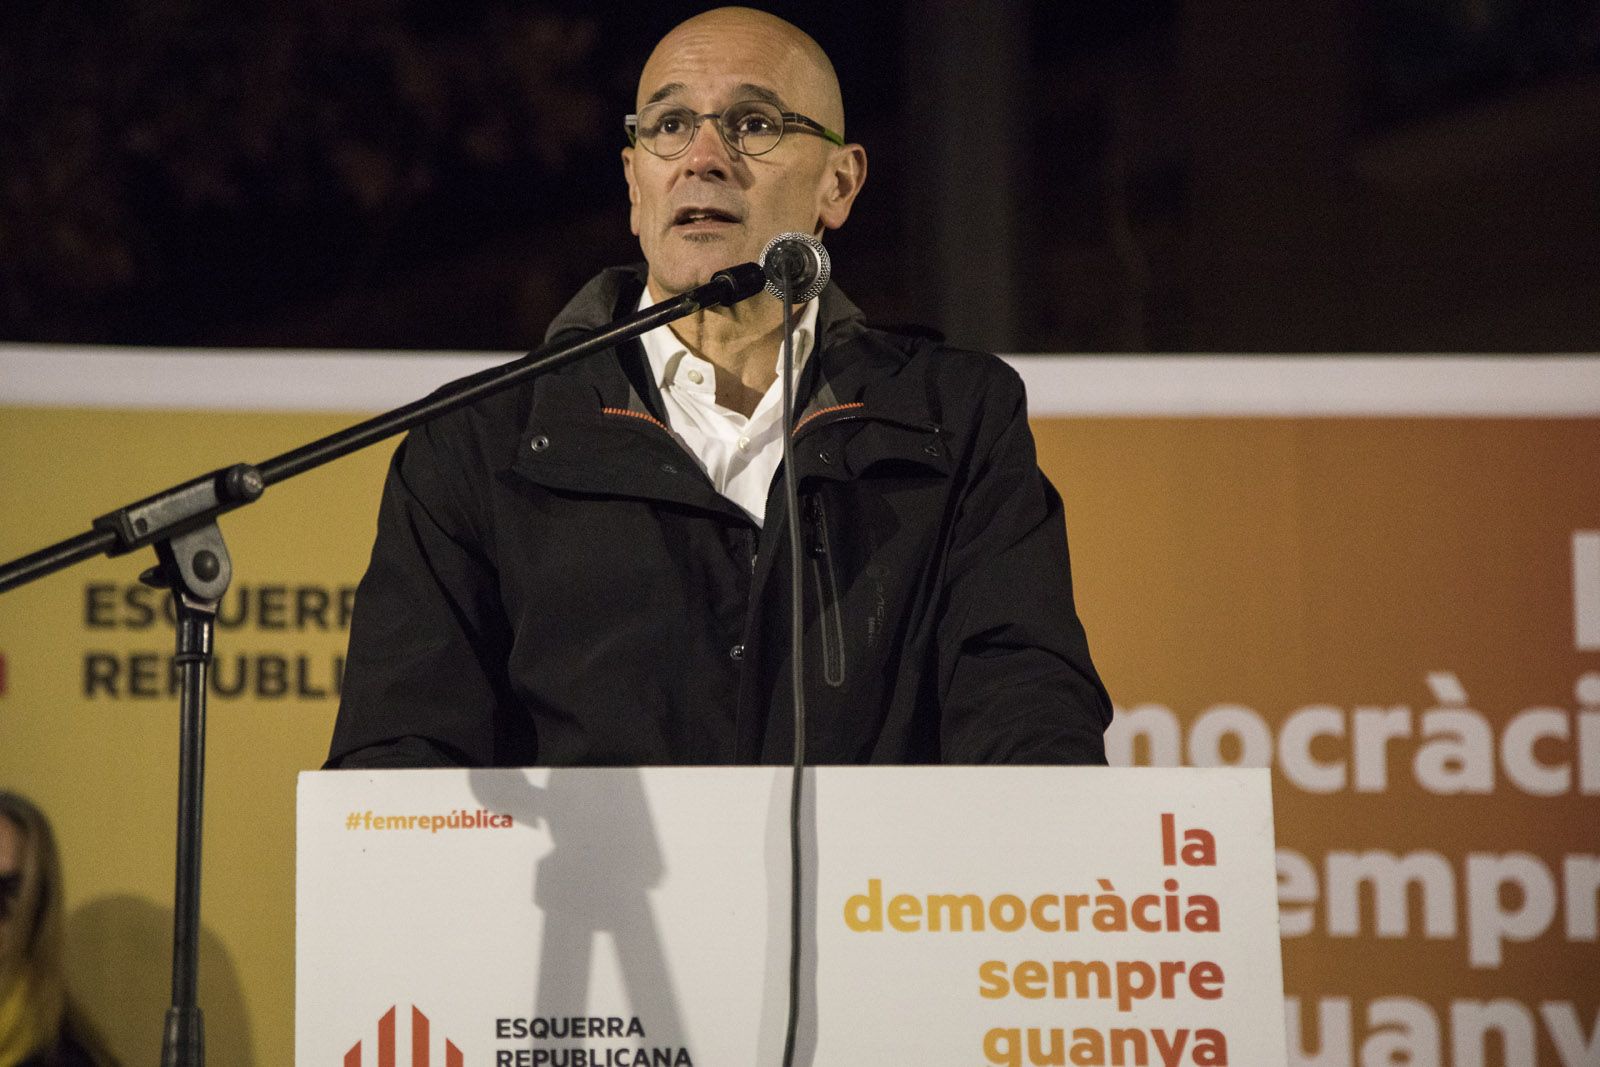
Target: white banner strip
[291,380]
[214,379]
[1486,386]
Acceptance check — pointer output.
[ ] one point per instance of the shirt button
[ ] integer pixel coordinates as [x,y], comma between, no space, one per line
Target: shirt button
[736,652]
[696,377]
[744,444]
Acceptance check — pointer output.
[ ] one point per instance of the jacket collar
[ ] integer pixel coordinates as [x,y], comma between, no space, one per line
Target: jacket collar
[602,415]
[857,366]
[614,291]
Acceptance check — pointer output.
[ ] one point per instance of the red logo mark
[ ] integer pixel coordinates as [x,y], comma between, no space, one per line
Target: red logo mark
[419,1044]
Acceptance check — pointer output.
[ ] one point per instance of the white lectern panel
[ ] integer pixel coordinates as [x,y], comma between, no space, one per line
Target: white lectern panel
[955,915]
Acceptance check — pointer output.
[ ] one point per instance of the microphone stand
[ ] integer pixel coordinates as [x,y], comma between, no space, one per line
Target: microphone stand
[193,562]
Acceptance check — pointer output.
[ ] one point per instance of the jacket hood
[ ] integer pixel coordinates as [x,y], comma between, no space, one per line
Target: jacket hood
[614,291]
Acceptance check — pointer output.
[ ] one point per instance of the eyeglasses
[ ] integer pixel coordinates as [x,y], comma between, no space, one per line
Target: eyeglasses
[749,127]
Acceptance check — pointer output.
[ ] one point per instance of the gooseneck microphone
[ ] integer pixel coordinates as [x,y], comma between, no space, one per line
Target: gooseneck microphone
[798,262]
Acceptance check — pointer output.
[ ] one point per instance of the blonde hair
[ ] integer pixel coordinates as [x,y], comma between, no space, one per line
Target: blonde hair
[34,1006]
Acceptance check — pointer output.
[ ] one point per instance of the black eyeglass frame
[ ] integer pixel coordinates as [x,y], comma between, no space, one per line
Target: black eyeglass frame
[791,119]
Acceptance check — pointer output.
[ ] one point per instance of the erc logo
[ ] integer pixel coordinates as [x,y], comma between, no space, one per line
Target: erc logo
[419,1044]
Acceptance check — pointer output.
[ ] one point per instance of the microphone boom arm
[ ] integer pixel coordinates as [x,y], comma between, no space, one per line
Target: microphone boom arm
[194,503]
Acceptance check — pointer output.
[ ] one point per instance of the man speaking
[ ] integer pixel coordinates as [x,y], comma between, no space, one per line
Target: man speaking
[592,569]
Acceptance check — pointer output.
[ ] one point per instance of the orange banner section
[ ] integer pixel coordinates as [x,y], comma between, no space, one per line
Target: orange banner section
[1398,616]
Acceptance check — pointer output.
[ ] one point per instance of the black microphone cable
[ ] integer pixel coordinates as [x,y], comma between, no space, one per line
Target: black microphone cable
[794,262]
[797,651]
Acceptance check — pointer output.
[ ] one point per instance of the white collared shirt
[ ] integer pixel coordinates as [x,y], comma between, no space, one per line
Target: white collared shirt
[740,455]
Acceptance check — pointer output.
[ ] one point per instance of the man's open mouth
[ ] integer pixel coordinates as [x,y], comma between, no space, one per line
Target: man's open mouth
[688,216]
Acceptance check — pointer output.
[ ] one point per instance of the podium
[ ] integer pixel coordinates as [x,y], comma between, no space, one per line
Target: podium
[953,915]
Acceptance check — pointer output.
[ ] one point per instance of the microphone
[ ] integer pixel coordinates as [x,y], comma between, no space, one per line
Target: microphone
[798,261]
[729,286]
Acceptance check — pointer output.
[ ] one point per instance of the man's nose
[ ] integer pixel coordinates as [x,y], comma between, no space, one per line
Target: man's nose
[708,152]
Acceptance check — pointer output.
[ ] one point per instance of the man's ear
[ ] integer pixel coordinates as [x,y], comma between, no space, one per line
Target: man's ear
[841,183]
[633,190]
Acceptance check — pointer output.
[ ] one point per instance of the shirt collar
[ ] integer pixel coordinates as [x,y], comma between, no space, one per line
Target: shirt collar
[667,353]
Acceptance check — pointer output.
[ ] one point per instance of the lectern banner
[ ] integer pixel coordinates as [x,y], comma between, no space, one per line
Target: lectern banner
[615,917]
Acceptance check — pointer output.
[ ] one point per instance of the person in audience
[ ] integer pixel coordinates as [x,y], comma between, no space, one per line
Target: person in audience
[40,1026]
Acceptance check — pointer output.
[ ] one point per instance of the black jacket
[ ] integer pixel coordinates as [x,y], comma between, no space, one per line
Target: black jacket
[556,582]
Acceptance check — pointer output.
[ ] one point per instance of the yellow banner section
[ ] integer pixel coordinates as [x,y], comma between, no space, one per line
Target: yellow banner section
[88,712]
[1400,615]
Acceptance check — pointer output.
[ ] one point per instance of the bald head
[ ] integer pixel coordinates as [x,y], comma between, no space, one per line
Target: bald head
[799,69]
[709,205]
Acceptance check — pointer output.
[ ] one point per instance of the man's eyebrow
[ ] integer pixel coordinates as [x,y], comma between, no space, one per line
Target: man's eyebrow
[748,91]
[745,91]
[665,91]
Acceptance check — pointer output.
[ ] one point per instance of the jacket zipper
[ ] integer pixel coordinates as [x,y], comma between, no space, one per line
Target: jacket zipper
[826,581]
[811,423]
[855,408]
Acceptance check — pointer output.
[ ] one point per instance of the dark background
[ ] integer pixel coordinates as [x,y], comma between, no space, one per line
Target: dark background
[1148,175]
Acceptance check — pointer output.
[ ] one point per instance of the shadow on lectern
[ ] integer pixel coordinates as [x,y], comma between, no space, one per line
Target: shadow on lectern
[595,880]
[596,883]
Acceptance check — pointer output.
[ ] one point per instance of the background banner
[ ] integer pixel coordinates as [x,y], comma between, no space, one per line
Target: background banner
[1379,577]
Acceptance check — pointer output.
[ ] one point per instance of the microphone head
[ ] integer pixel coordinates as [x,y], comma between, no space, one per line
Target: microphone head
[798,261]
